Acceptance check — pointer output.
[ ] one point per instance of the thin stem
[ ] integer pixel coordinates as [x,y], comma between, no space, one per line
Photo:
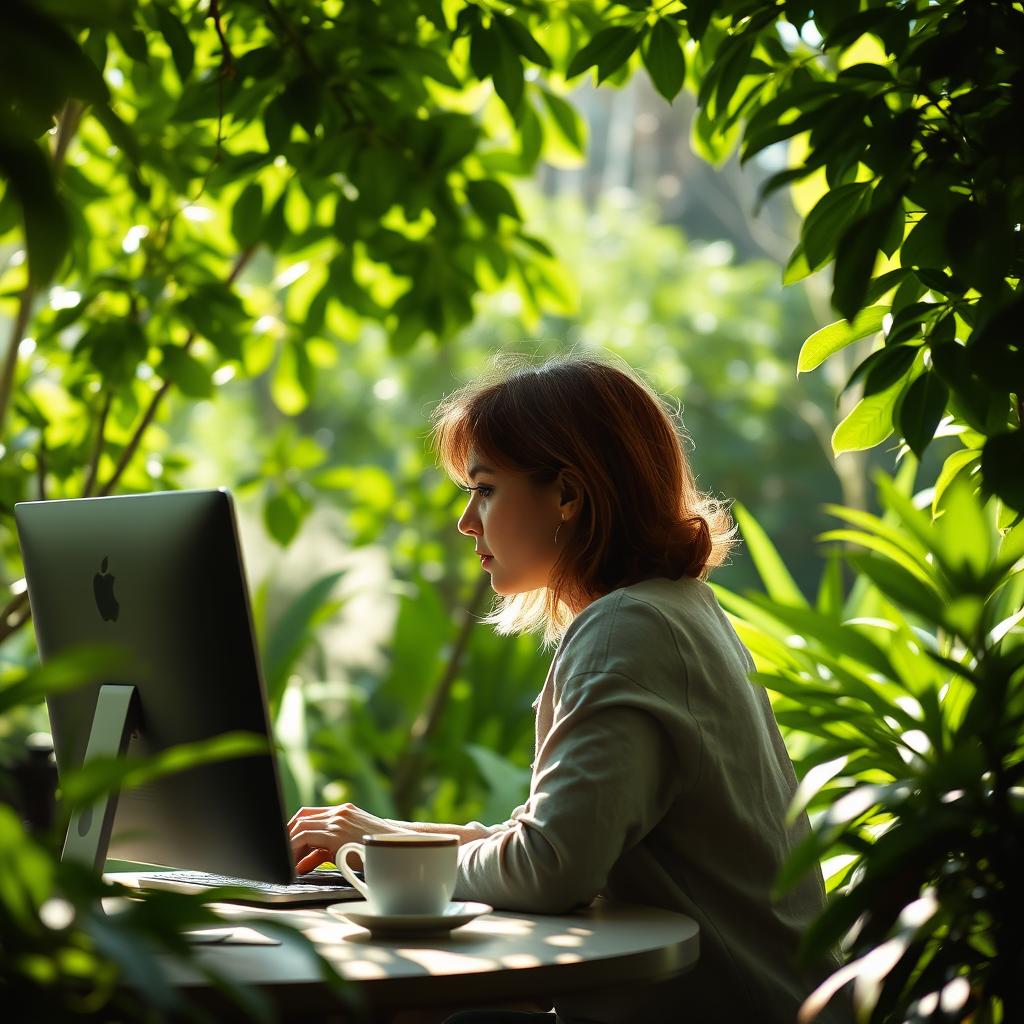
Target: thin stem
[41,467]
[227,60]
[151,410]
[227,70]
[10,620]
[10,363]
[407,771]
[97,448]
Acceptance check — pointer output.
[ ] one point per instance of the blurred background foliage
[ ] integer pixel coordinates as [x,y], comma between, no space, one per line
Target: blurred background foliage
[252,265]
[251,243]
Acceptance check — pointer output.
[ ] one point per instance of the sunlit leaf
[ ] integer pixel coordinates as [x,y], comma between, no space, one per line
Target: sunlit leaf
[868,423]
[664,60]
[774,575]
[828,340]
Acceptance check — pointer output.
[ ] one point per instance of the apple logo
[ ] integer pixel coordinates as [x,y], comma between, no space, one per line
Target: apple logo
[103,588]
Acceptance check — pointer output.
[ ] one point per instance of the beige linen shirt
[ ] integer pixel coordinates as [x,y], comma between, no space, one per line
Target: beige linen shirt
[660,777]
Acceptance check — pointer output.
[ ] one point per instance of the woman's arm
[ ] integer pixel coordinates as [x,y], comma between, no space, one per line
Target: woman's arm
[317,832]
[466,833]
[605,776]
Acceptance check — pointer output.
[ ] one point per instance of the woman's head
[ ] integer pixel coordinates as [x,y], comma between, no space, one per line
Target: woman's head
[583,448]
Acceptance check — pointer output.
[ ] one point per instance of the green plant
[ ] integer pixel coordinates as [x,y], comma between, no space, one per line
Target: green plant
[905,703]
[75,946]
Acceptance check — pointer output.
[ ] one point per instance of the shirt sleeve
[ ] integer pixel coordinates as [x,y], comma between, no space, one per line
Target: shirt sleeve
[604,777]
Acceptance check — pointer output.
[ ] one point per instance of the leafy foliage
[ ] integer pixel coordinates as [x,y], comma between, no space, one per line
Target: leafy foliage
[235,192]
[910,700]
[75,945]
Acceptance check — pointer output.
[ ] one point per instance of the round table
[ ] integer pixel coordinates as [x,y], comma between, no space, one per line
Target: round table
[501,956]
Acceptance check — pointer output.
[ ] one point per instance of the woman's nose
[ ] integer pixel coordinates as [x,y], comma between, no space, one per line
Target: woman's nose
[469,521]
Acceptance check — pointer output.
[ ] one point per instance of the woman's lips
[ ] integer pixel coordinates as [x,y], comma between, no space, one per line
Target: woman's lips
[485,560]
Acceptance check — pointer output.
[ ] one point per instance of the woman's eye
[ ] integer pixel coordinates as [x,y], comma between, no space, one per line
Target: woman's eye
[482,489]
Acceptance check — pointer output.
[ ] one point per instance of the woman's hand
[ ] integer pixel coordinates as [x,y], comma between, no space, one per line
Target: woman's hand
[317,832]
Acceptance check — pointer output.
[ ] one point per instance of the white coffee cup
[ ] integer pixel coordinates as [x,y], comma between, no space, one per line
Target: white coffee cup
[405,872]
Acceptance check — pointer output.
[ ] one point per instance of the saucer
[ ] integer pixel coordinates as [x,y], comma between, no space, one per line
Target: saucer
[453,916]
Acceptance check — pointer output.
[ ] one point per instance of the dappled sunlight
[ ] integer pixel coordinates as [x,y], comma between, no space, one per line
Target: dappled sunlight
[572,941]
[569,958]
[364,970]
[445,961]
[517,961]
[493,925]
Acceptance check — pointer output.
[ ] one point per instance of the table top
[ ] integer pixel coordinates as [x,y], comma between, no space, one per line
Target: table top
[501,955]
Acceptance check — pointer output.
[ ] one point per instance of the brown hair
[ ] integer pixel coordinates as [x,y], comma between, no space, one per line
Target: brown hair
[642,515]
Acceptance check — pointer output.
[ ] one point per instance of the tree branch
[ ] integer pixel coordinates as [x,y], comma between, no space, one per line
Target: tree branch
[147,417]
[227,59]
[67,125]
[10,364]
[10,619]
[407,770]
[41,466]
[97,447]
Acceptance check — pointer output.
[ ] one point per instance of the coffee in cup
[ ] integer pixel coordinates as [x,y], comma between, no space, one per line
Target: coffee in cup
[405,872]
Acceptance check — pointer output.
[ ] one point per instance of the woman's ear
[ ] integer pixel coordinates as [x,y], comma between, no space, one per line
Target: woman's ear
[570,494]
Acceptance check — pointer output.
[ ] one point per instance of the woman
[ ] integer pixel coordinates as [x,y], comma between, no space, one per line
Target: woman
[660,776]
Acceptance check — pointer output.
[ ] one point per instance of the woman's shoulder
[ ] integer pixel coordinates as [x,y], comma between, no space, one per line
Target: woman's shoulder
[650,603]
[633,629]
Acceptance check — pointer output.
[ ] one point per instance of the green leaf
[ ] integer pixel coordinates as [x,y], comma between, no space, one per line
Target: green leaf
[570,124]
[868,423]
[178,39]
[122,136]
[839,639]
[856,254]
[663,57]
[295,628]
[247,215]
[215,312]
[827,220]
[62,673]
[484,50]
[283,514]
[508,76]
[186,372]
[275,226]
[508,785]
[773,572]
[491,200]
[608,50]
[115,348]
[518,35]
[900,586]
[823,343]
[829,600]
[883,368]
[920,411]
[954,465]
[83,785]
[709,142]
[797,267]
[884,546]
[964,536]
[47,225]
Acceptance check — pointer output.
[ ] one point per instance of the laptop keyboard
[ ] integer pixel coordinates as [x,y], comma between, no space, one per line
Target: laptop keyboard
[313,883]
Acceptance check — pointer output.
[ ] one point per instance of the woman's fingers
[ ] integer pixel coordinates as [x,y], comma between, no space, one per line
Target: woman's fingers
[326,828]
[312,839]
[312,860]
[306,812]
[340,813]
